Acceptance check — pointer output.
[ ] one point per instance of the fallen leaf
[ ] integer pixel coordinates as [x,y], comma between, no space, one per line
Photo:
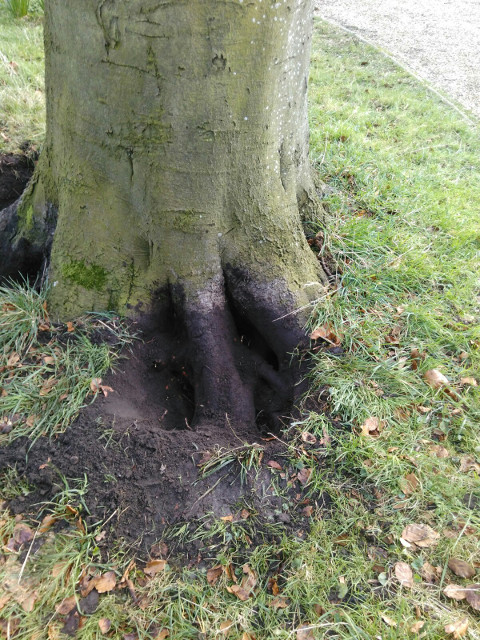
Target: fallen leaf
[274,465]
[458,628]
[325,332]
[104,624]
[244,514]
[95,385]
[435,379]
[473,596]
[249,581]
[48,386]
[26,599]
[468,463]
[303,476]
[371,427]
[461,568]
[421,535]
[470,382]
[70,327]
[22,535]
[280,602]
[247,636]
[439,451]
[416,357]
[404,574]
[389,621]
[214,574]
[66,605]
[417,626]
[305,632]
[409,484]
[239,591]
[307,511]
[46,523]
[101,536]
[455,592]
[226,626]
[153,567]
[430,573]
[106,582]
[227,518]
[164,633]
[308,437]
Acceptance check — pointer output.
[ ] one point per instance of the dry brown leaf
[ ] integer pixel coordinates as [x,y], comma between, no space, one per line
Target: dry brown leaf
[95,385]
[22,534]
[274,465]
[473,596]
[106,582]
[104,624]
[461,568]
[468,382]
[305,632]
[47,523]
[371,427]
[164,633]
[435,379]
[244,514]
[279,602]
[249,581]
[455,592]
[228,518]
[325,332]
[417,626]
[225,627]
[308,437]
[404,574]
[468,463]
[26,599]
[303,476]
[66,605]
[409,484]
[154,566]
[307,511]
[421,535]
[430,573]
[12,360]
[70,327]
[458,628]
[48,360]
[439,451]
[389,621]
[247,636]
[47,386]
[239,591]
[214,574]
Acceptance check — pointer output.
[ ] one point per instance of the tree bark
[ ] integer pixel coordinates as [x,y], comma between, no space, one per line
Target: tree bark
[177,160]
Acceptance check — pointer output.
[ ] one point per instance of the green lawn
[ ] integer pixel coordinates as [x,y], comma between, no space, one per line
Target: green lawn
[402,186]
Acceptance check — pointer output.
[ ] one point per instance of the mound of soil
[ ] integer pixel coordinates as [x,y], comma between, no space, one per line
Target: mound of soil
[141,458]
[15,172]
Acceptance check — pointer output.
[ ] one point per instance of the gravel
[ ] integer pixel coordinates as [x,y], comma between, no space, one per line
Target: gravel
[439,40]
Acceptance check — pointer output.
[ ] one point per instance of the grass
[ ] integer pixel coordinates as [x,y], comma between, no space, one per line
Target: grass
[47,371]
[22,95]
[402,183]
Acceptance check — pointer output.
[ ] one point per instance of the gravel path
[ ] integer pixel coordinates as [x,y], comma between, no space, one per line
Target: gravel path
[439,40]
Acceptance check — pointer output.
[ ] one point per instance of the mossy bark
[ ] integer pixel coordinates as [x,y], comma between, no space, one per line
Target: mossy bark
[177,158]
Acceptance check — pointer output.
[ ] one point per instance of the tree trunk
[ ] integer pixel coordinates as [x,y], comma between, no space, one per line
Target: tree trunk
[177,160]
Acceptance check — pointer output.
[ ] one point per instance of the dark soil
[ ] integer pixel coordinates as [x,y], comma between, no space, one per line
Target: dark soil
[141,457]
[15,172]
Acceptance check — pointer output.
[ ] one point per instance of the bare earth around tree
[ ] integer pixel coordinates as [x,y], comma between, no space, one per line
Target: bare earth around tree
[439,41]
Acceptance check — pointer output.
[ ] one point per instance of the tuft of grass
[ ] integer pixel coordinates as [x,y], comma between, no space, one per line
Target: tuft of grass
[22,95]
[47,370]
[18,8]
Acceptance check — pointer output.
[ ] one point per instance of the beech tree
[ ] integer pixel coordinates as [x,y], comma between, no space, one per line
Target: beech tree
[173,180]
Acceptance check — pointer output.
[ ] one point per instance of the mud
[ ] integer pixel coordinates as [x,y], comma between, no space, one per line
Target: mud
[141,457]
